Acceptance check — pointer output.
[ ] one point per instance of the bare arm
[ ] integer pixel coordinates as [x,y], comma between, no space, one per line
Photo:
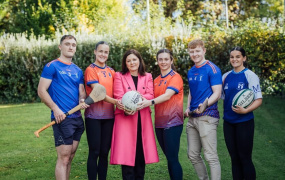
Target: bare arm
[252,107]
[217,89]
[111,100]
[82,93]
[45,97]
[160,99]
[82,96]
[189,100]
[187,111]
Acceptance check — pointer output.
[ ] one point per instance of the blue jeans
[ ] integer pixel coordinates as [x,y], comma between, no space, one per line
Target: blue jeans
[169,141]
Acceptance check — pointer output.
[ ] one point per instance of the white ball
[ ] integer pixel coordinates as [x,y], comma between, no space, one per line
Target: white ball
[130,100]
[243,98]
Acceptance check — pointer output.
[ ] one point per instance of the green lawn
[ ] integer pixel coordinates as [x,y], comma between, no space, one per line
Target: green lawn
[23,156]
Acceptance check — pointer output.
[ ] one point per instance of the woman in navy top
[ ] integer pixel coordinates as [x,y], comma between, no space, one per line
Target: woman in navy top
[239,121]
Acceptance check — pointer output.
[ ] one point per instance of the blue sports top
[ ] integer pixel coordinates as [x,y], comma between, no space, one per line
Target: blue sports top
[234,82]
[64,88]
[201,79]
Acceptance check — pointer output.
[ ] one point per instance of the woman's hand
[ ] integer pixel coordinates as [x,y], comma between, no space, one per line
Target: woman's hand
[145,103]
[128,112]
[119,105]
[239,110]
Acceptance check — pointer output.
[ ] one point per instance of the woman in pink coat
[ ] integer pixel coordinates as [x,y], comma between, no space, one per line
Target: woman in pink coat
[133,142]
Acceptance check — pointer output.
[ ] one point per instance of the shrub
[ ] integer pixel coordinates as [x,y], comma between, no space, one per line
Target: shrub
[22,60]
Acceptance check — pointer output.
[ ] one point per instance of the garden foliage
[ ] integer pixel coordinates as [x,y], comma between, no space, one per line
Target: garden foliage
[22,60]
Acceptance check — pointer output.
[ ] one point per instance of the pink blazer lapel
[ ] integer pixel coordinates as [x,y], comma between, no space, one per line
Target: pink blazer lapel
[129,82]
[141,83]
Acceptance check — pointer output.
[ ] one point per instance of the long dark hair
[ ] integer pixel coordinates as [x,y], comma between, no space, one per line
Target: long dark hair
[170,54]
[125,69]
[242,51]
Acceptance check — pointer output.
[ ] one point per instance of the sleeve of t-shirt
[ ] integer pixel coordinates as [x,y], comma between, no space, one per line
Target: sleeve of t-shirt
[175,84]
[253,83]
[223,93]
[223,80]
[113,73]
[48,71]
[81,77]
[215,76]
[91,76]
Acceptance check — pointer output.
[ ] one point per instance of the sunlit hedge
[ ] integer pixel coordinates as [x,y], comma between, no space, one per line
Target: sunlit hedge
[22,60]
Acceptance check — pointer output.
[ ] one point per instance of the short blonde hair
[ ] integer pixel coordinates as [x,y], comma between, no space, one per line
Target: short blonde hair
[196,42]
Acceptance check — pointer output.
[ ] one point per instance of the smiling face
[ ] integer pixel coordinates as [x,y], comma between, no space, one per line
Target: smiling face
[237,60]
[67,47]
[164,62]
[197,54]
[101,54]
[133,63]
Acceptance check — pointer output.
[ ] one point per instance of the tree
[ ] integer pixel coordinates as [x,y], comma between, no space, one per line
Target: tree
[44,17]
[209,12]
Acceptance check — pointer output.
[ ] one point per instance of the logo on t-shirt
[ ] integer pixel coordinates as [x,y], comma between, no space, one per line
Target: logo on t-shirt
[201,77]
[240,85]
[160,82]
[256,88]
[104,72]
[62,72]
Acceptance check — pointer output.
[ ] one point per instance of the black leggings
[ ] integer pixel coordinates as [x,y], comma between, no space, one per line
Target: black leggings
[169,141]
[99,136]
[239,141]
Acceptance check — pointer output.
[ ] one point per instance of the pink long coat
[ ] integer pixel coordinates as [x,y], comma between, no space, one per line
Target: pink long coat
[124,140]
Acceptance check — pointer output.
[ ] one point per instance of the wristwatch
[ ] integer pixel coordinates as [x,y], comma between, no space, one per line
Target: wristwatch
[152,102]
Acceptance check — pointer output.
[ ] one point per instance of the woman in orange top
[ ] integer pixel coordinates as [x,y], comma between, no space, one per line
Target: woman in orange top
[99,117]
[168,101]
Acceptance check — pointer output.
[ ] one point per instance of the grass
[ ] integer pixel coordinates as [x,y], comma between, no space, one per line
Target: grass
[23,156]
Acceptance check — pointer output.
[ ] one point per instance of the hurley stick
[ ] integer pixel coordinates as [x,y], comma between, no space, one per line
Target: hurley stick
[97,94]
[202,109]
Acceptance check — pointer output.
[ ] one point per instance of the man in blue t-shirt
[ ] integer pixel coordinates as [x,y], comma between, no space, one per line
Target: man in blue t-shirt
[61,88]
[205,83]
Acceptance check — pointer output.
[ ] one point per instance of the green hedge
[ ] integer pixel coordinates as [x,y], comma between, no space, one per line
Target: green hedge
[21,64]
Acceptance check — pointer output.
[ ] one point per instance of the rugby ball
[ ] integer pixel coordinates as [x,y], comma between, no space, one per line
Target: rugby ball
[243,98]
[130,100]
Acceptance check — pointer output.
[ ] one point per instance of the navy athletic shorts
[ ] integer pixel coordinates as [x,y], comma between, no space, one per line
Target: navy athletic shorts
[69,130]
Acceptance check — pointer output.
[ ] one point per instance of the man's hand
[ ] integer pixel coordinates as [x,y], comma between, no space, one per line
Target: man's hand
[83,104]
[187,113]
[202,107]
[58,115]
